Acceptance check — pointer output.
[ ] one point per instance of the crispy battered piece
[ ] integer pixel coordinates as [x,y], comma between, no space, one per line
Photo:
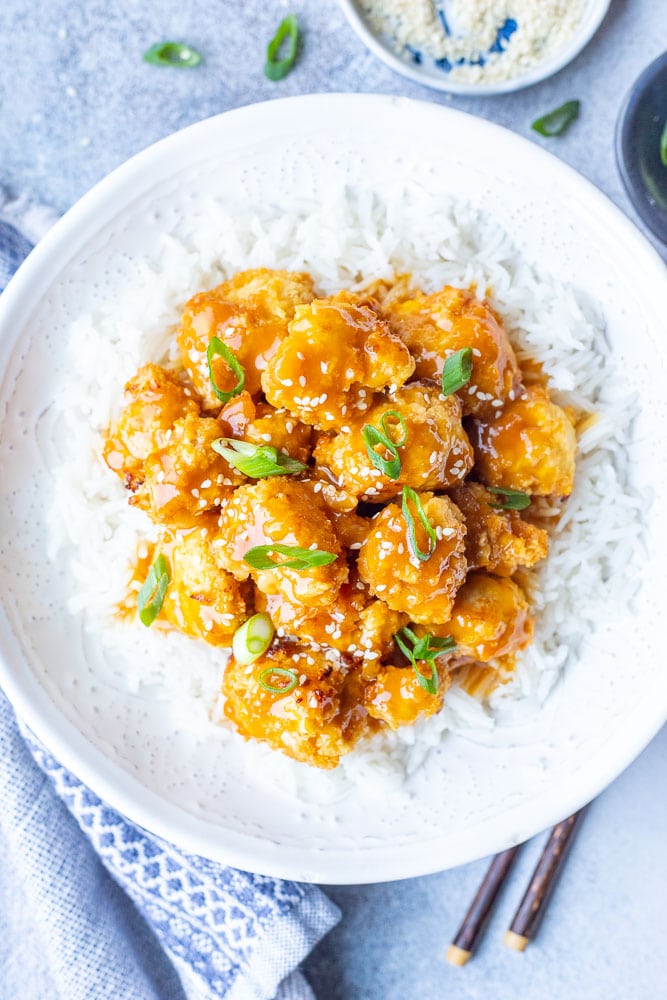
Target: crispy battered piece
[490,618]
[262,424]
[354,622]
[335,353]
[202,600]
[497,540]
[435,455]
[186,478]
[423,590]
[285,511]
[530,446]
[434,326]
[396,697]
[155,401]
[316,722]
[249,313]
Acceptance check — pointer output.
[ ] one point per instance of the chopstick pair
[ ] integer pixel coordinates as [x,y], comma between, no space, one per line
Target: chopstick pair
[531,908]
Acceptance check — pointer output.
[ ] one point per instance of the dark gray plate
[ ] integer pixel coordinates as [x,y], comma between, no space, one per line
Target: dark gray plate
[638,133]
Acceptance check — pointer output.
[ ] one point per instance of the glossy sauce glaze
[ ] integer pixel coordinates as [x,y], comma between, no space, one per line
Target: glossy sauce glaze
[402,489]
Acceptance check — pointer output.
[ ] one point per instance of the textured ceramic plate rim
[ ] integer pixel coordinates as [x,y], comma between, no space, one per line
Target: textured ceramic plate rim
[593,18]
[370,861]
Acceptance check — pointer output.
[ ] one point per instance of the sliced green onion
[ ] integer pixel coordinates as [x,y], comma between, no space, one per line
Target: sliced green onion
[151,596]
[172,54]
[514,499]
[457,371]
[558,121]
[256,461]
[276,69]
[216,347]
[426,648]
[391,467]
[663,146]
[409,496]
[252,638]
[292,680]
[259,558]
[395,415]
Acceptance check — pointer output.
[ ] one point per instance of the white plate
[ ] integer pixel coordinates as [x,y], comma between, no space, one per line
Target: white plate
[175,782]
[428,74]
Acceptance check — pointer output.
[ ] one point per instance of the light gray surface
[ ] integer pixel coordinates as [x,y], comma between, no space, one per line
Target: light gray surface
[75,101]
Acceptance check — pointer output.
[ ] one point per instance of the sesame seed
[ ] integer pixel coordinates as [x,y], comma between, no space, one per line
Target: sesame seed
[302,380]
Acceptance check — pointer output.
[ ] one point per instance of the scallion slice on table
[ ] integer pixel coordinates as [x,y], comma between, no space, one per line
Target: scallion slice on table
[216,348]
[256,461]
[457,371]
[259,557]
[557,121]
[514,499]
[663,146]
[151,596]
[252,638]
[172,54]
[424,649]
[271,672]
[373,437]
[410,496]
[288,30]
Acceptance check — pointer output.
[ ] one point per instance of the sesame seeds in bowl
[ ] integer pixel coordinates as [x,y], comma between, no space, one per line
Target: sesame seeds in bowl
[475,46]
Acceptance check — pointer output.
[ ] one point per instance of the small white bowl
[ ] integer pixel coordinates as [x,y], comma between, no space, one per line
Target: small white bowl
[429,75]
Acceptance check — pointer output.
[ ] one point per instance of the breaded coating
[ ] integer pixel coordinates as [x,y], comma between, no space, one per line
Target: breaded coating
[285,511]
[335,353]
[262,424]
[423,590]
[249,313]
[186,478]
[397,699]
[155,400]
[316,722]
[436,453]
[354,622]
[497,540]
[202,600]
[490,618]
[435,326]
[531,446]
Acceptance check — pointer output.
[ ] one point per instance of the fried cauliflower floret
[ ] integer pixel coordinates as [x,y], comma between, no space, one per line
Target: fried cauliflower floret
[186,477]
[497,540]
[354,622]
[202,600]
[286,512]
[261,424]
[531,446]
[490,618]
[436,452]
[316,722]
[396,697]
[155,400]
[423,590]
[335,353]
[249,313]
[435,326]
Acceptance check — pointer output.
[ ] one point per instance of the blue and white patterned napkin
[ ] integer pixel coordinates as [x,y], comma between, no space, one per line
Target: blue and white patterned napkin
[182,928]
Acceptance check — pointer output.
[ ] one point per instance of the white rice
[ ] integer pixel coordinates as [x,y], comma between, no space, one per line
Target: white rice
[344,240]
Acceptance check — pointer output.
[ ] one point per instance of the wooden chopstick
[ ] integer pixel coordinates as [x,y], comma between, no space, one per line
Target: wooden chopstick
[533,905]
[471,930]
